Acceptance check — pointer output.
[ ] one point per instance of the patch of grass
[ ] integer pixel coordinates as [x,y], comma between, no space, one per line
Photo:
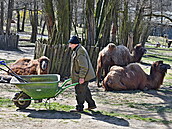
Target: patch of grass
[137,117]
[6,102]
[150,107]
[167,83]
[53,106]
[144,106]
[155,54]
[169,76]
[155,57]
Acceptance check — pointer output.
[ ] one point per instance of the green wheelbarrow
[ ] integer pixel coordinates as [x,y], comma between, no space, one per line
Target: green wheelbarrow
[35,87]
[38,87]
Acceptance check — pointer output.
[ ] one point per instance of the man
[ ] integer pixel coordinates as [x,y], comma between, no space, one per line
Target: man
[82,72]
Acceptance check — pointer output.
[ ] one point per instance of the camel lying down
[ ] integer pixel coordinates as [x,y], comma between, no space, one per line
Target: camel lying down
[26,66]
[132,77]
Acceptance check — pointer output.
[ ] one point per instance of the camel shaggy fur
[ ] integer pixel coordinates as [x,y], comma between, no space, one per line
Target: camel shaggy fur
[117,55]
[26,66]
[132,77]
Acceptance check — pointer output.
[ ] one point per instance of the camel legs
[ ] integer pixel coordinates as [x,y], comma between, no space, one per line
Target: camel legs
[106,70]
[98,74]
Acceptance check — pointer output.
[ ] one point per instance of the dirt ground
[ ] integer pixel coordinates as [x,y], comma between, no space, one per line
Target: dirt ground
[147,104]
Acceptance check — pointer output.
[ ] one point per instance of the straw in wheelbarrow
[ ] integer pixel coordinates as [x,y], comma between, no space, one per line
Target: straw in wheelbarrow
[12,72]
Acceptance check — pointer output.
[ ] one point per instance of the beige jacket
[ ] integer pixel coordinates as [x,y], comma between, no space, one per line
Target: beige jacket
[81,66]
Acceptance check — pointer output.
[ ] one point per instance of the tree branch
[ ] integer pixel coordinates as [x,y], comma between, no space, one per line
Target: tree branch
[158,15]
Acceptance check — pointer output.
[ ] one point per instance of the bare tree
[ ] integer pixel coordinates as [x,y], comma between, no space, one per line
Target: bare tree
[2,18]
[90,22]
[9,15]
[49,17]
[34,21]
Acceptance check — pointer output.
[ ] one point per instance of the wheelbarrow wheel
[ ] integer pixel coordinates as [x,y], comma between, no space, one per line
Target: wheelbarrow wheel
[18,100]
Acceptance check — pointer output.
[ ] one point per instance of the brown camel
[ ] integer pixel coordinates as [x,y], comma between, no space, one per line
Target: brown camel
[117,55]
[27,66]
[132,77]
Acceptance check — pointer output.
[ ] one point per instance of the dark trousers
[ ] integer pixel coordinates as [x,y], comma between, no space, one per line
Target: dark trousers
[83,94]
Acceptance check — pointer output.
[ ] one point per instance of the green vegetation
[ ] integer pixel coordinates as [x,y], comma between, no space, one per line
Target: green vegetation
[4,102]
[154,57]
[137,117]
[52,106]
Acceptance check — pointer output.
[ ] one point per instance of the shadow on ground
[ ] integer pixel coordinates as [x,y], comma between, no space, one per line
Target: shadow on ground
[53,114]
[109,119]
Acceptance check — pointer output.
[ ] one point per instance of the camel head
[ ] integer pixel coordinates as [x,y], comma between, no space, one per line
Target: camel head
[44,63]
[157,74]
[138,52]
[160,67]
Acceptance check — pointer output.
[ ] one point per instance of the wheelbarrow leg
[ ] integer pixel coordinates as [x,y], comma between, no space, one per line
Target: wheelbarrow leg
[47,102]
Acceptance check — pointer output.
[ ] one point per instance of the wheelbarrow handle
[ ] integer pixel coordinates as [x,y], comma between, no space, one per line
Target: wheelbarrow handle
[2,62]
[62,88]
[66,81]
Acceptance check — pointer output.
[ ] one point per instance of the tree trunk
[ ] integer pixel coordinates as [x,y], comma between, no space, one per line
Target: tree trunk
[75,3]
[43,28]
[34,23]
[115,22]
[24,17]
[9,16]
[63,18]
[124,27]
[147,28]
[18,21]
[103,22]
[99,17]
[90,22]
[2,19]
[137,27]
[49,17]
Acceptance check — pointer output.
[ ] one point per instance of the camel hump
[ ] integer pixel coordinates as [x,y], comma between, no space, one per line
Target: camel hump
[121,55]
[111,46]
[133,65]
[21,62]
[114,68]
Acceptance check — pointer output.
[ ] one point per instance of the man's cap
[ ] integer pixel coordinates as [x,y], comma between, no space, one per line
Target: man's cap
[74,40]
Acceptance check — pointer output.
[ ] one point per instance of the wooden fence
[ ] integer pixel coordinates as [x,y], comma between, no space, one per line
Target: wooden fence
[9,42]
[59,56]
